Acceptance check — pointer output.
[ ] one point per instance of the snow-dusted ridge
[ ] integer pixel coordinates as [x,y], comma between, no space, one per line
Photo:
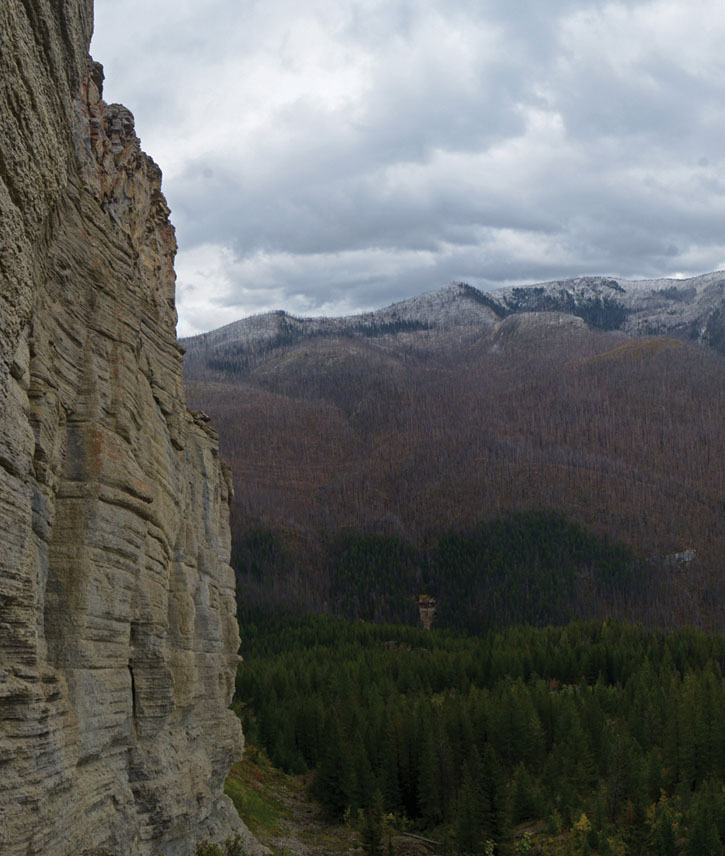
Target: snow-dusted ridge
[691,308]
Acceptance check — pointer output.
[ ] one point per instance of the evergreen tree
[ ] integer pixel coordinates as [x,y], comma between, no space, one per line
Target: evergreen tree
[468,815]
[526,798]
[334,782]
[371,834]
[704,839]
[429,784]
[663,838]
[392,795]
[364,785]
[636,834]
[619,773]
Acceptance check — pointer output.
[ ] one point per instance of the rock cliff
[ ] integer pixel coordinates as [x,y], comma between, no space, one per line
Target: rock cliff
[118,639]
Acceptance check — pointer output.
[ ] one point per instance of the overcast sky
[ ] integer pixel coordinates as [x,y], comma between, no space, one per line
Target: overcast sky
[333,156]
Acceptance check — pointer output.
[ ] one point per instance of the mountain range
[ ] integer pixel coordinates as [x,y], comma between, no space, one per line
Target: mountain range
[597,398]
[691,309]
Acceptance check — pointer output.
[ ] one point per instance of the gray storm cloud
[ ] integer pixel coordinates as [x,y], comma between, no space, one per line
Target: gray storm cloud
[328,158]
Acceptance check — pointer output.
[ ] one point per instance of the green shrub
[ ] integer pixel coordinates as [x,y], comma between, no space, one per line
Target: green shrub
[231,847]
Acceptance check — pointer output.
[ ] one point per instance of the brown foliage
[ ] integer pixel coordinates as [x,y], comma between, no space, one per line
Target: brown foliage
[622,435]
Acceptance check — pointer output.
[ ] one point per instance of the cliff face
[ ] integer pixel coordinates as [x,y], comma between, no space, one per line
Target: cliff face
[118,639]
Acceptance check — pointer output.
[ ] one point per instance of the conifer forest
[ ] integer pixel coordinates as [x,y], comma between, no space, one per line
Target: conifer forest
[607,737]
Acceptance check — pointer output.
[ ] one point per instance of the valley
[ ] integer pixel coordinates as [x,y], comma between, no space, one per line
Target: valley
[472,534]
[453,568]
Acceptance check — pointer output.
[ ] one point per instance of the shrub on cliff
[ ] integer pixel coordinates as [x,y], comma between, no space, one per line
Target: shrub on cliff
[231,847]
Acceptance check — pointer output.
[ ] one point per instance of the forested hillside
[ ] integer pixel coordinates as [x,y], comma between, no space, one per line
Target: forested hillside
[588,738]
[409,443]
[498,480]
[536,567]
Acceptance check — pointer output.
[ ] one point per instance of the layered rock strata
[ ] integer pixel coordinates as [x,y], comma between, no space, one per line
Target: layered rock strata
[118,639]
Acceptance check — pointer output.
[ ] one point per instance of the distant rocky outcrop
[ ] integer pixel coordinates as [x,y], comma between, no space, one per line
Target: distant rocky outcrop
[118,638]
[692,309]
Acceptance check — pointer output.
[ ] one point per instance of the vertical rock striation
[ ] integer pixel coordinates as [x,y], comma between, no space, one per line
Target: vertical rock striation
[118,639]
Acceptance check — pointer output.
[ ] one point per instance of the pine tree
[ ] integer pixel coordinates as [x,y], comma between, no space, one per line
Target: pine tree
[468,815]
[636,835]
[704,839]
[429,784]
[371,834]
[526,800]
[334,781]
[663,838]
[363,777]
[392,796]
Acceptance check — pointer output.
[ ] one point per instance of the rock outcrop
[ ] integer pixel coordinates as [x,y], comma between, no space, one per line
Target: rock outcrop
[118,639]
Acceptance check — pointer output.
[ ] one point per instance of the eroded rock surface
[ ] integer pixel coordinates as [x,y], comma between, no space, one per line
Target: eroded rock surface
[118,639]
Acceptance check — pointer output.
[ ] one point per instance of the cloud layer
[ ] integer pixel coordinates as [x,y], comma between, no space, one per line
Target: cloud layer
[327,158]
